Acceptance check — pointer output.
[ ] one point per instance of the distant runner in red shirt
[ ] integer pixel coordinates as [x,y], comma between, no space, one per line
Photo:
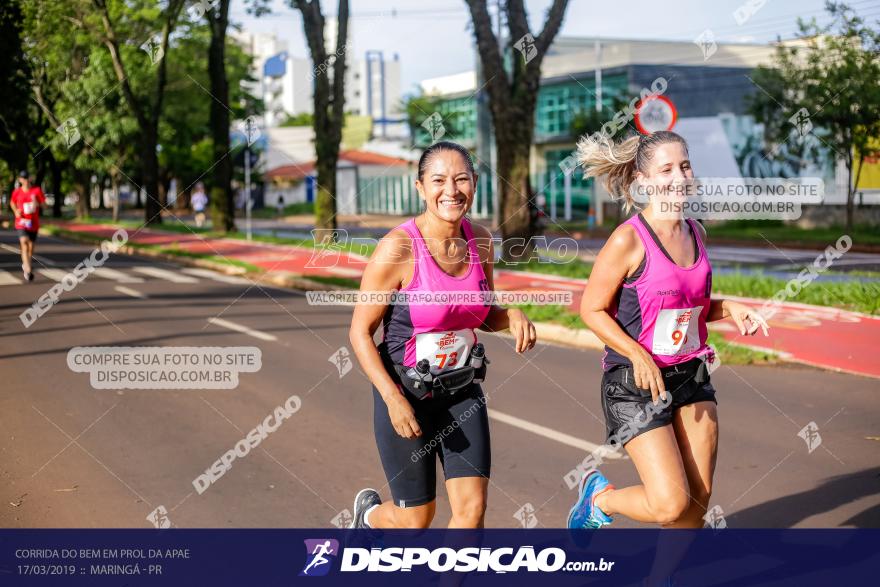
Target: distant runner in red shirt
[26,202]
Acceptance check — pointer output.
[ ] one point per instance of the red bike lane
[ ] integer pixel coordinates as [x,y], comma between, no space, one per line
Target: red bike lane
[813,335]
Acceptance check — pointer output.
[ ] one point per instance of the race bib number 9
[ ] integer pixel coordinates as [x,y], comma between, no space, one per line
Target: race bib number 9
[29,207]
[676,332]
[445,351]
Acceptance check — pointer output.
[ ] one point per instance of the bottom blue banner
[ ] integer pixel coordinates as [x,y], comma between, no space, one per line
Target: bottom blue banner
[727,557]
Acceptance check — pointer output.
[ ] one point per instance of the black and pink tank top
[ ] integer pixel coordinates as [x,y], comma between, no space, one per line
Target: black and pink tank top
[442,333]
[664,306]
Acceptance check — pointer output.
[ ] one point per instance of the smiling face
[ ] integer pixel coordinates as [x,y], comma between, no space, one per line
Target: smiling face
[447,186]
[669,176]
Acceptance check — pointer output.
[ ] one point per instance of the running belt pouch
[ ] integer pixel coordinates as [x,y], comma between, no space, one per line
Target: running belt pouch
[702,374]
[481,372]
[398,373]
[420,392]
[454,380]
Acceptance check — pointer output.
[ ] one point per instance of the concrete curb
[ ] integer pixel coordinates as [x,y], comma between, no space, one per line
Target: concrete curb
[574,337]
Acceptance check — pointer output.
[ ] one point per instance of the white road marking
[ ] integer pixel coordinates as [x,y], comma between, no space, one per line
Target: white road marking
[7,278]
[222,277]
[38,258]
[561,437]
[130,292]
[54,274]
[172,276]
[114,275]
[242,329]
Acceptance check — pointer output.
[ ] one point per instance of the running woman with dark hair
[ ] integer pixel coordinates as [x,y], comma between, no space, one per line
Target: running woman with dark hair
[427,402]
[649,299]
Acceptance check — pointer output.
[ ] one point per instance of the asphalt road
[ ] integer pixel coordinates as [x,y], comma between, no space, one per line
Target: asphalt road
[74,456]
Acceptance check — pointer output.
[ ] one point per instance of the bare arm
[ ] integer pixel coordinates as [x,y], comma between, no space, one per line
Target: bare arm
[746,319]
[384,273]
[619,257]
[502,318]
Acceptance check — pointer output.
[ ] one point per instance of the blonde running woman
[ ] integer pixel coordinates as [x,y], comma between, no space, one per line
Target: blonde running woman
[649,299]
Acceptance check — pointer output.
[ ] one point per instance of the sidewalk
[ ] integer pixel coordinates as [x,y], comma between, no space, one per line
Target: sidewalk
[825,337]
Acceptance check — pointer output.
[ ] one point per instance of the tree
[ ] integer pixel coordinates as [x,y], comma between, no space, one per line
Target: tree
[328,100]
[146,106]
[185,131]
[16,116]
[59,55]
[222,201]
[828,87]
[513,96]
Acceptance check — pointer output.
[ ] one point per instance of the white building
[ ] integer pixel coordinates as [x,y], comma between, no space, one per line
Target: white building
[372,84]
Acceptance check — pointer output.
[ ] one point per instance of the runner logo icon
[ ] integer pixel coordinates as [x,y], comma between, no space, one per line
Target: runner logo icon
[320,554]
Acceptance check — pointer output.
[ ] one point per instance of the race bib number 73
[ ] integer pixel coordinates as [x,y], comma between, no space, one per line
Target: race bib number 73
[445,351]
[676,332]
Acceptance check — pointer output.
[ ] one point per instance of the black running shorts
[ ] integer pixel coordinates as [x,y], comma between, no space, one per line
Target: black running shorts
[456,429]
[629,410]
[31,235]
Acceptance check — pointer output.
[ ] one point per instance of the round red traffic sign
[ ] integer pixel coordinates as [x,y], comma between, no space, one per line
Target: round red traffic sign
[655,113]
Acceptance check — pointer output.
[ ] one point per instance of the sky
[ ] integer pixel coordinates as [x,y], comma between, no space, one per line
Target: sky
[433,39]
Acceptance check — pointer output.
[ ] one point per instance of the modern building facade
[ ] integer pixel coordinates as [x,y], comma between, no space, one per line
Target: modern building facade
[708,83]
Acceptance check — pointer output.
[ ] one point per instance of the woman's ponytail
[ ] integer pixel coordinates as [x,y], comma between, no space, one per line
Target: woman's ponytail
[619,162]
[600,156]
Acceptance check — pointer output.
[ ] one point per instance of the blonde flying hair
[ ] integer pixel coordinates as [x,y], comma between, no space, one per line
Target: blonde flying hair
[619,162]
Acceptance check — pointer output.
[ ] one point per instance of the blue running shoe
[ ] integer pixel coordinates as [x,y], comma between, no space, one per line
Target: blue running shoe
[585,514]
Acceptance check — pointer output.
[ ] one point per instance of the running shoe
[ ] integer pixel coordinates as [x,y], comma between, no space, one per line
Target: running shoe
[585,513]
[363,501]
[30,276]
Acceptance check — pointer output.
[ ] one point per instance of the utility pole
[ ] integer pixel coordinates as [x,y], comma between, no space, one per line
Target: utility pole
[248,204]
[598,73]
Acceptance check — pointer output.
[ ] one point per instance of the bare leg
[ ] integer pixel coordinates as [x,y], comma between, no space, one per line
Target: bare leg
[388,515]
[467,498]
[663,497]
[696,428]
[24,244]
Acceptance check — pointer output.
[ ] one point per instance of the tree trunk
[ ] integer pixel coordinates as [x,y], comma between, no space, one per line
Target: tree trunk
[57,190]
[114,179]
[138,202]
[513,78]
[325,198]
[514,190]
[147,117]
[222,200]
[150,169]
[82,185]
[328,100]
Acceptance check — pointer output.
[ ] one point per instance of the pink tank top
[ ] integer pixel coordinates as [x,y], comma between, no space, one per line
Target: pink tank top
[664,306]
[442,333]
